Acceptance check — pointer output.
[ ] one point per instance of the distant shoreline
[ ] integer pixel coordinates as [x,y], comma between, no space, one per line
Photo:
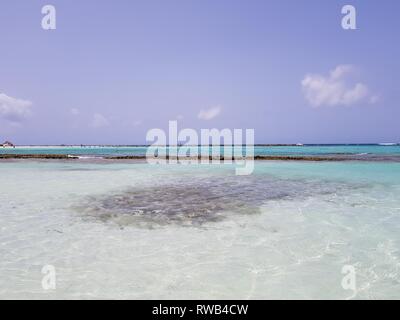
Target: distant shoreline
[145,146]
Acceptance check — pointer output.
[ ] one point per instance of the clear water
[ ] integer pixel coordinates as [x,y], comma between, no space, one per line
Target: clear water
[133,230]
[306,150]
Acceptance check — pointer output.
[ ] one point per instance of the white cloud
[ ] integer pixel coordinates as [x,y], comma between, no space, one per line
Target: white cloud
[336,88]
[75,111]
[342,70]
[13,109]
[209,113]
[99,121]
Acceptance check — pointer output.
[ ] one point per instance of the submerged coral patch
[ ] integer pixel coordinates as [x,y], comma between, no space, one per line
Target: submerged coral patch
[195,201]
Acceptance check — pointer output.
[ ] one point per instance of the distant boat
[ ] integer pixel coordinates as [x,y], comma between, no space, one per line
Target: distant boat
[299,144]
[388,144]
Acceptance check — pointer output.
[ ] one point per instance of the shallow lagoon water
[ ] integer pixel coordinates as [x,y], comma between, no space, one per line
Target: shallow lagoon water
[133,230]
[361,151]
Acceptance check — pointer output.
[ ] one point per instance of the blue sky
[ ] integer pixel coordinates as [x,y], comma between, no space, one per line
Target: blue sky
[112,70]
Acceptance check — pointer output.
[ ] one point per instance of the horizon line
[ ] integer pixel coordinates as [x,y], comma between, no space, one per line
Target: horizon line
[205,145]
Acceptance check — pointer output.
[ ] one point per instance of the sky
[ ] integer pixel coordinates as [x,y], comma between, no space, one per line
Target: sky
[113,70]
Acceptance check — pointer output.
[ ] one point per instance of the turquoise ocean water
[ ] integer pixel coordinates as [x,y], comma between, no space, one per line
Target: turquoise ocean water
[306,150]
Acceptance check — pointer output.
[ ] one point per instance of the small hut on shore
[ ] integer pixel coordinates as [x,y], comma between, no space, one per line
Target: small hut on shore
[8,144]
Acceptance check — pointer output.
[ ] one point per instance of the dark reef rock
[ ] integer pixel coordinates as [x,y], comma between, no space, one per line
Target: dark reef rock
[36,156]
